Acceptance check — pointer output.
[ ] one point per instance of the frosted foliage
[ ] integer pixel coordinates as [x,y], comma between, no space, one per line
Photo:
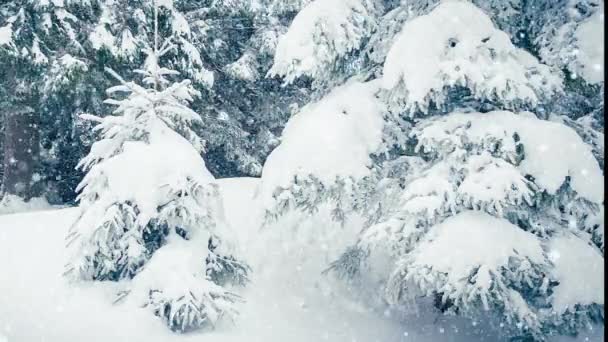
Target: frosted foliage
[571,37]
[112,201]
[472,226]
[331,138]
[245,68]
[466,258]
[477,263]
[456,44]
[470,240]
[183,297]
[391,24]
[320,34]
[552,151]
[284,6]
[17,38]
[589,36]
[113,33]
[588,129]
[61,72]
[579,268]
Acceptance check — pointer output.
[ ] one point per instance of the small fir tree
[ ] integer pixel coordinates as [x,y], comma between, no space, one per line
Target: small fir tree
[150,207]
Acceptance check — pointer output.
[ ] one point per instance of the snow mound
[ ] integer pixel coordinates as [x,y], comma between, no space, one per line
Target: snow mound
[553,151]
[330,138]
[456,44]
[468,259]
[11,204]
[175,287]
[574,261]
[320,33]
[471,240]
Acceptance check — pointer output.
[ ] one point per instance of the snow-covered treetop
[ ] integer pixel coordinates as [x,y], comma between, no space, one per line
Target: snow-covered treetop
[331,138]
[320,34]
[125,35]
[457,44]
[142,133]
[143,113]
[570,35]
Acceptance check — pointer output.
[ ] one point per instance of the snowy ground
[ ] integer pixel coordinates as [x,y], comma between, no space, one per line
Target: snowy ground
[288,300]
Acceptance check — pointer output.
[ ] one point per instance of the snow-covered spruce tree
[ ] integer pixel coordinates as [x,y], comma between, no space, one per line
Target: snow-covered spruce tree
[459,147]
[342,41]
[150,209]
[483,226]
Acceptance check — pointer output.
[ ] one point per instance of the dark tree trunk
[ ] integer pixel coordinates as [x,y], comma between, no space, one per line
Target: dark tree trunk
[21,152]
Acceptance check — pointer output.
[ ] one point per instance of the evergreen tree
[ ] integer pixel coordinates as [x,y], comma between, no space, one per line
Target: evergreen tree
[41,50]
[481,179]
[150,207]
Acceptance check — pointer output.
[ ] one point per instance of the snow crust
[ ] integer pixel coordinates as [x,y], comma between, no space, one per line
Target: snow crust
[457,44]
[553,151]
[330,138]
[579,268]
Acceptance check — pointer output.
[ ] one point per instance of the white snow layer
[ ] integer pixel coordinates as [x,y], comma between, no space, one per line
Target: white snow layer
[553,151]
[579,268]
[457,44]
[153,165]
[590,41]
[320,33]
[11,204]
[330,138]
[475,239]
[6,35]
[288,299]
